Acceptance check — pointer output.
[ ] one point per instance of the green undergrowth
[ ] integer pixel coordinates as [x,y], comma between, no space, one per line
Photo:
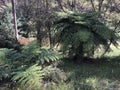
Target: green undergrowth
[102,75]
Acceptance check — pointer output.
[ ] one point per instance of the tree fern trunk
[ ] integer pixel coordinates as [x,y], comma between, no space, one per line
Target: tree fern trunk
[79,54]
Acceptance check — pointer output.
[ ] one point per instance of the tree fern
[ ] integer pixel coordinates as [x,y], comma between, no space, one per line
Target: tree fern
[82,33]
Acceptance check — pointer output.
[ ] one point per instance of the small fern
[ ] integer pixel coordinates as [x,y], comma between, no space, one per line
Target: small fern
[8,62]
[34,53]
[15,64]
[47,55]
[30,78]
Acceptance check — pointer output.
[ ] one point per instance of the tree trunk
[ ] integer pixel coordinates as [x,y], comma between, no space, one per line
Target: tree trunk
[93,6]
[15,19]
[50,36]
[79,54]
[100,5]
[39,32]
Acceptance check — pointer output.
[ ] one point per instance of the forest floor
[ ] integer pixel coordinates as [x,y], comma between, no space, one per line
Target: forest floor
[103,75]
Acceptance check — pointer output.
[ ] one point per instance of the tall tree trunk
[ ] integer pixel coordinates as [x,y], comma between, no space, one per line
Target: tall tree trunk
[93,6]
[100,5]
[39,32]
[38,22]
[49,35]
[15,19]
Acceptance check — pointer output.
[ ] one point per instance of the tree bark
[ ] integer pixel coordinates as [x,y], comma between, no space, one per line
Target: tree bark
[15,19]
[93,5]
[100,5]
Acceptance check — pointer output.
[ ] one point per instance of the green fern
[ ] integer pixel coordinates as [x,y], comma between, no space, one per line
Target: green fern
[30,78]
[13,63]
[82,33]
[34,53]
[47,55]
[8,62]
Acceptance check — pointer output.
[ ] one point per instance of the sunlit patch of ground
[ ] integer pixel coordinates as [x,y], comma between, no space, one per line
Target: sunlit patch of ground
[115,51]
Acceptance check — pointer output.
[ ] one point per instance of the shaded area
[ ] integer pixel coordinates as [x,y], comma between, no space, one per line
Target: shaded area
[93,76]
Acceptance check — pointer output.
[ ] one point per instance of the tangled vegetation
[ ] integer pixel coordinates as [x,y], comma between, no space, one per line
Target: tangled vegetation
[59,44]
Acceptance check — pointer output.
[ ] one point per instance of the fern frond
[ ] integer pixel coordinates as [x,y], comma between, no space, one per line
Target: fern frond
[30,78]
[34,53]
[47,55]
[103,31]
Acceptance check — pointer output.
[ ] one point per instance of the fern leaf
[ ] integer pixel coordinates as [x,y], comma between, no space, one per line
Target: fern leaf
[30,78]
